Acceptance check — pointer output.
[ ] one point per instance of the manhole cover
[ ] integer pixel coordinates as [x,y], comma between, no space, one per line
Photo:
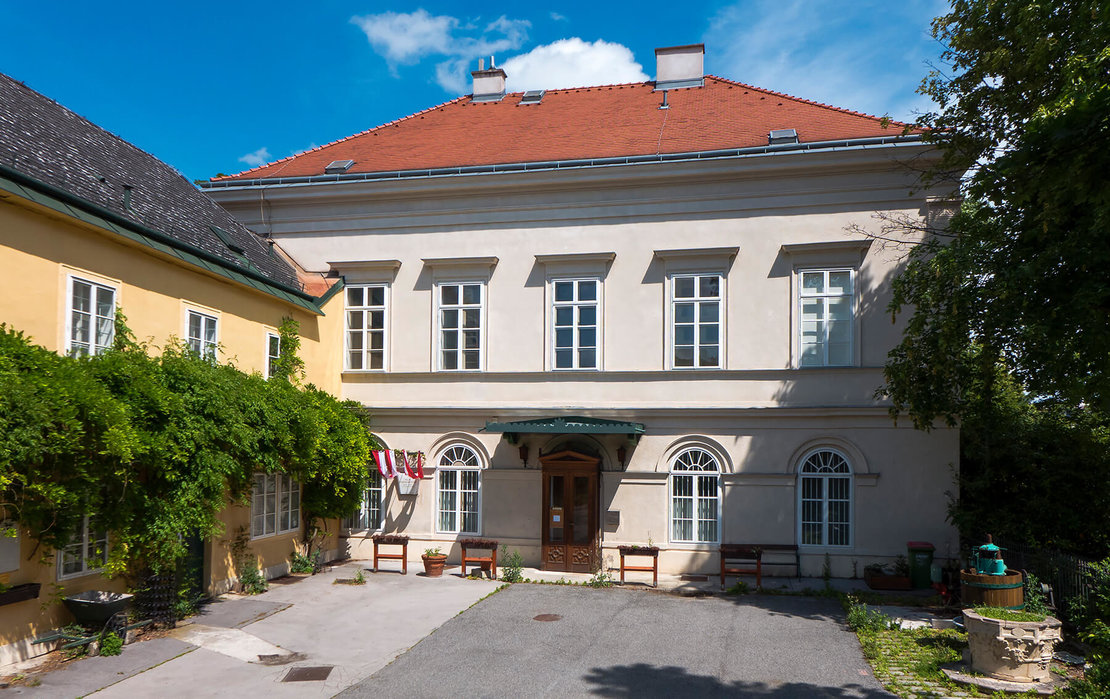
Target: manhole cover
[547,617]
[311,673]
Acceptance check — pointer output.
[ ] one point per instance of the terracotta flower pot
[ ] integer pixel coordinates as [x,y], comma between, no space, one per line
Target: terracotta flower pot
[433,565]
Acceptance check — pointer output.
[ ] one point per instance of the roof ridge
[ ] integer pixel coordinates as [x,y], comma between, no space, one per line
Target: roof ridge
[812,102]
[587,87]
[341,140]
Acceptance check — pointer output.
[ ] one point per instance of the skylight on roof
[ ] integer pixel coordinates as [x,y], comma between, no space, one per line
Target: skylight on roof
[337,167]
[227,240]
[780,136]
[532,97]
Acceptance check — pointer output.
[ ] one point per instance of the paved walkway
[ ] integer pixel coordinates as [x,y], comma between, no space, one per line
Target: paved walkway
[624,643]
[354,630]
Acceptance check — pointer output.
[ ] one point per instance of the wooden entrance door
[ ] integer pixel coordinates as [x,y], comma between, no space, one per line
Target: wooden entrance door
[571,530]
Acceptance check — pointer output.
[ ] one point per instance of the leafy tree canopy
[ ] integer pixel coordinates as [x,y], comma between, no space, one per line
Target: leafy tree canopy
[1022,275]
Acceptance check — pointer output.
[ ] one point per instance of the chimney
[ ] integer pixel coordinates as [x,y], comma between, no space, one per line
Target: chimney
[680,66]
[489,85]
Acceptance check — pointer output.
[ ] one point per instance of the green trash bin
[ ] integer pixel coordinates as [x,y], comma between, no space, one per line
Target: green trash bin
[921,560]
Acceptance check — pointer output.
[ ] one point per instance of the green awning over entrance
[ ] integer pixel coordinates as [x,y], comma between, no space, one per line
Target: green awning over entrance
[570,424]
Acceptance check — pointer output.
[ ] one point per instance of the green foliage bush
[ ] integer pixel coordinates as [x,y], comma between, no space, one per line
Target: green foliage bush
[111,644]
[155,444]
[863,618]
[512,566]
[300,563]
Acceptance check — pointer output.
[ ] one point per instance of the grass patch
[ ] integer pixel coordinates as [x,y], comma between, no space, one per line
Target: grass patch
[1003,614]
[903,659]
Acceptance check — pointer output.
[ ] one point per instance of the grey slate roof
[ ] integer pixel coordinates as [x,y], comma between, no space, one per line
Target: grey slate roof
[43,140]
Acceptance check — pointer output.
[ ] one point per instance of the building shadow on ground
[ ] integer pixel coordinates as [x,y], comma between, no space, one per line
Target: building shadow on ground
[642,680]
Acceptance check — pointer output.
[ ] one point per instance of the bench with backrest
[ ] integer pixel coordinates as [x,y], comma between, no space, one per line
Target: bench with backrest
[752,557]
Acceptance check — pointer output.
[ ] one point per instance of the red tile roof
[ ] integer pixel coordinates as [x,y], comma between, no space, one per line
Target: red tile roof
[588,122]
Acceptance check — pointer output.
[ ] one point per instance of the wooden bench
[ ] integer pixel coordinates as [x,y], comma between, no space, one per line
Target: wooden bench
[392,540]
[753,554]
[646,551]
[489,561]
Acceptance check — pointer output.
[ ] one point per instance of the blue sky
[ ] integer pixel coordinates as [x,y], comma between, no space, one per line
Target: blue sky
[219,87]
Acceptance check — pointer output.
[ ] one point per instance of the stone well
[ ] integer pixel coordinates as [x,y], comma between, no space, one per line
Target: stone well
[1017,651]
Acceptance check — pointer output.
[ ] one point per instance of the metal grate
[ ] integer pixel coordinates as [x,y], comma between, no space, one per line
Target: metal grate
[309,673]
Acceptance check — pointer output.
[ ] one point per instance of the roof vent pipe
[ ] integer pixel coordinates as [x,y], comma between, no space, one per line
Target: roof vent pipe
[680,66]
[489,85]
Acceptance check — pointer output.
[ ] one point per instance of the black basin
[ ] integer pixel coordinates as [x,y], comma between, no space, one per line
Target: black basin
[96,607]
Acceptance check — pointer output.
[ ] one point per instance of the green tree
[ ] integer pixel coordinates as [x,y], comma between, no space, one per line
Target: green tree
[1022,275]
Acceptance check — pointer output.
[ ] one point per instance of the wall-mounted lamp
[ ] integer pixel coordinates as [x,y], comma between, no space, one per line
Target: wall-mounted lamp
[524,455]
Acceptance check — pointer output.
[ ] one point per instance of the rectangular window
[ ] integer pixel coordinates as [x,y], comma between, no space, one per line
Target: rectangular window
[86,552]
[371,513]
[460,314]
[200,333]
[275,505]
[696,320]
[826,509]
[92,317]
[458,501]
[577,323]
[825,317]
[273,353]
[366,332]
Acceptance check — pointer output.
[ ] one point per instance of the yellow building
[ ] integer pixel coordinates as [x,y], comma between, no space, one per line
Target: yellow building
[89,223]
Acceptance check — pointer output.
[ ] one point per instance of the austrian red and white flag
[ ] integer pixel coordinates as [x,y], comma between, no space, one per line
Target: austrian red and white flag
[384,462]
[408,461]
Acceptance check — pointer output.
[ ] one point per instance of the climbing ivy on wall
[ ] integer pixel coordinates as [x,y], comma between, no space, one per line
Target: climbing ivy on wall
[155,444]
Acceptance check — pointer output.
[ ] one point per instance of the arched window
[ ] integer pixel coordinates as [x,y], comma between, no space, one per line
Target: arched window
[458,490]
[695,497]
[825,499]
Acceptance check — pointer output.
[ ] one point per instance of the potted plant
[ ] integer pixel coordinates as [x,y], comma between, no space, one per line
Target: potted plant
[880,577]
[434,560]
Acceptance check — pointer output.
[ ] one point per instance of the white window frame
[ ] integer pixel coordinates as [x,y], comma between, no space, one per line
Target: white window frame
[83,554]
[439,307]
[270,362]
[94,347]
[375,484]
[366,309]
[575,304]
[695,498]
[849,476]
[282,485]
[458,468]
[801,296]
[697,300]
[205,348]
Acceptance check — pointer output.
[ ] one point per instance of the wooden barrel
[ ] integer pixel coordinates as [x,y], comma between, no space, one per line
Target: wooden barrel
[1006,591]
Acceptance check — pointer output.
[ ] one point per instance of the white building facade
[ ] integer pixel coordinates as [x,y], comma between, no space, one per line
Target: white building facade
[679,348]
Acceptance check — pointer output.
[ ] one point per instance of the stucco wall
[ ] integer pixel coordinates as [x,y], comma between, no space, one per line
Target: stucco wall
[39,251]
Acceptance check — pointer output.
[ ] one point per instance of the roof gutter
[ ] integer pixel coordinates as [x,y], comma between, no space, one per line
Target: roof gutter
[109,215]
[778,149]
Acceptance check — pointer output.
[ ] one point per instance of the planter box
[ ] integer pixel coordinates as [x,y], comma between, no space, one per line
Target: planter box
[888,582]
[20,593]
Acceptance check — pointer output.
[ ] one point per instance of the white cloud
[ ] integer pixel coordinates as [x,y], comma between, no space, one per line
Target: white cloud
[573,63]
[558,17]
[259,157]
[405,38]
[865,56]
